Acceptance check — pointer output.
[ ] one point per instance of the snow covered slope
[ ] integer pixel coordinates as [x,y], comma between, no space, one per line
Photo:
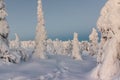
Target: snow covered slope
[56,67]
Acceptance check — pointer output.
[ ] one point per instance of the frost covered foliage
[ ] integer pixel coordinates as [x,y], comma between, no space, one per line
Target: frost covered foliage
[105,25]
[17,52]
[109,53]
[84,46]
[76,50]
[4,28]
[23,44]
[40,39]
[93,37]
[59,47]
[17,40]
[4,31]
[7,55]
[3,13]
[15,43]
[53,46]
[28,44]
[67,48]
[50,47]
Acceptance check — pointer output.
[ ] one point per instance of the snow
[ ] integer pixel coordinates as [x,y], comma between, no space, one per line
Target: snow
[108,55]
[2,11]
[46,59]
[41,34]
[76,48]
[4,32]
[56,67]
[93,37]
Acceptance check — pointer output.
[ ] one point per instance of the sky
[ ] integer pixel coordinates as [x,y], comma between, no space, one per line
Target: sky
[62,18]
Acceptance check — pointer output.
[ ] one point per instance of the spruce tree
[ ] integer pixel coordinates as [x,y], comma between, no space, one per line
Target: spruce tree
[40,39]
[76,49]
[4,31]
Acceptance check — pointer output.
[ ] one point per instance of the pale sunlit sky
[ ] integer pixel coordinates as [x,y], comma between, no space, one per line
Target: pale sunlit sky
[62,17]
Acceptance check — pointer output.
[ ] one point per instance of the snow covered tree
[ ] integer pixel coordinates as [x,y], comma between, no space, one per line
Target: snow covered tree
[84,46]
[4,31]
[93,37]
[109,58]
[4,27]
[67,47]
[17,41]
[58,47]
[105,26]
[76,50]
[50,46]
[41,37]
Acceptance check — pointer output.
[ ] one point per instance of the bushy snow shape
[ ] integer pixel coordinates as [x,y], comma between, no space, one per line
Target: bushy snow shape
[23,54]
[76,50]
[15,43]
[6,55]
[84,46]
[58,46]
[109,25]
[4,31]
[93,37]
[4,50]
[28,44]
[17,52]
[19,55]
[17,40]
[4,28]
[50,47]
[3,13]
[110,65]
[40,39]
[67,47]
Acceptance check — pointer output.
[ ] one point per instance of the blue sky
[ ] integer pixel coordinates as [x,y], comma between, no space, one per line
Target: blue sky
[62,17]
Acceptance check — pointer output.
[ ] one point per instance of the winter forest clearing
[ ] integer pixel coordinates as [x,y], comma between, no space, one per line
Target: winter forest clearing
[47,59]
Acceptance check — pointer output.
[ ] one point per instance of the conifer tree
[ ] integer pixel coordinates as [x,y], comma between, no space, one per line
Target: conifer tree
[17,41]
[4,31]
[93,37]
[40,39]
[76,49]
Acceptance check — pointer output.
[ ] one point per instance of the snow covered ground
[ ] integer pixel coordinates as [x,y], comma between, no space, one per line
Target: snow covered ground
[56,67]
